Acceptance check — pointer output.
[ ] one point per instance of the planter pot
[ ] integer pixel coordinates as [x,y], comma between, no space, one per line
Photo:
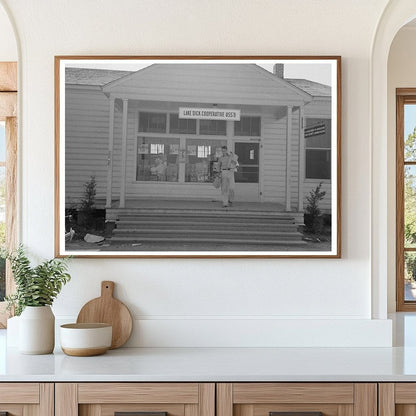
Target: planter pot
[37,330]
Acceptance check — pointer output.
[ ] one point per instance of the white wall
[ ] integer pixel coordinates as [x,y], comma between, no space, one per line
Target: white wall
[8,46]
[401,74]
[201,299]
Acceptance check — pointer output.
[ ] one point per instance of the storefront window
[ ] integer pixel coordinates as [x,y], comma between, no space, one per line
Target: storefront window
[157,159]
[181,125]
[247,126]
[318,148]
[152,122]
[212,127]
[201,157]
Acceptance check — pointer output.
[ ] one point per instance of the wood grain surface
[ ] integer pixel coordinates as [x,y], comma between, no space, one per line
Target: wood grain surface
[252,393]
[110,393]
[8,76]
[109,310]
[84,352]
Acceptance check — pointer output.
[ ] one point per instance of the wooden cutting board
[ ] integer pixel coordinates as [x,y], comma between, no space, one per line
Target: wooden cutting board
[107,309]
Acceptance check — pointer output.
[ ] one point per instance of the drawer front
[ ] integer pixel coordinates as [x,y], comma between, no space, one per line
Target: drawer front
[138,393]
[297,399]
[22,399]
[19,393]
[131,399]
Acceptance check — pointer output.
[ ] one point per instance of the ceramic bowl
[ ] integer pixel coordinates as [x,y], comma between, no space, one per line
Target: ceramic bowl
[83,340]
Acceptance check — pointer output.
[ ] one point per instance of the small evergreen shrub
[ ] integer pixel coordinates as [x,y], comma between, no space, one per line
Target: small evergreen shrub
[86,217]
[313,217]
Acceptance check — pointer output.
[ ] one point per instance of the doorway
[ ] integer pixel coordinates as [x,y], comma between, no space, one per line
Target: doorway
[247,183]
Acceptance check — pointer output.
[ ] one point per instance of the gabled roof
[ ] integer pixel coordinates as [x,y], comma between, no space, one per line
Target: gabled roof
[226,83]
[90,76]
[311,87]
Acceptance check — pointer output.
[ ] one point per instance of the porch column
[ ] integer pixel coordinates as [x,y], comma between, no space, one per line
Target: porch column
[301,173]
[288,156]
[123,155]
[110,154]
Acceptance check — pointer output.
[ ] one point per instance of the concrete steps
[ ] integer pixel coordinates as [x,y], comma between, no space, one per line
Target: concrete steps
[226,226]
[140,225]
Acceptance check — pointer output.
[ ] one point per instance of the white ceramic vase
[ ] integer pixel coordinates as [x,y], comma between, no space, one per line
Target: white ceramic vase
[37,330]
[12,334]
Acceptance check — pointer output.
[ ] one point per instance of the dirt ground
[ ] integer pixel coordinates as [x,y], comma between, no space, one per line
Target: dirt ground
[80,245]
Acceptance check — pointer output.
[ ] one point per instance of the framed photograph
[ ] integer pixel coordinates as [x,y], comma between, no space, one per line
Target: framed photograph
[198,156]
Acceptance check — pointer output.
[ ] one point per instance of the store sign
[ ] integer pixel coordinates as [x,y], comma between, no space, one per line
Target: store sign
[209,113]
[315,130]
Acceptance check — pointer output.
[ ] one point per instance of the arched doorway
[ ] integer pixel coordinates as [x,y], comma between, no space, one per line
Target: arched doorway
[395,16]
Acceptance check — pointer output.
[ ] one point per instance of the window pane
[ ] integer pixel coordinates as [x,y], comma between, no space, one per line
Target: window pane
[410,206]
[152,122]
[409,275]
[247,126]
[157,159]
[318,164]
[181,125]
[409,132]
[201,158]
[213,127]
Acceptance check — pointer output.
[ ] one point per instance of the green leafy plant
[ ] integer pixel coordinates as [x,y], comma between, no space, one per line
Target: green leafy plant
[35,285]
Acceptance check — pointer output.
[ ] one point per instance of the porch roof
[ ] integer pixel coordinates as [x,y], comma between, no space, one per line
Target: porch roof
[245,84]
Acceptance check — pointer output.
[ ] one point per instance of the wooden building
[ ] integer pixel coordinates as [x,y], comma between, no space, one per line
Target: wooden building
[126,130]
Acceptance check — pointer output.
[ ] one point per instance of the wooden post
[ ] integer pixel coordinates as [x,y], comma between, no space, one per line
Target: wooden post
[365,399]
[224,399]
[288,157]
[123,155]
[66,399]
[46,399]
[302,160]
[110,154]
[386,399]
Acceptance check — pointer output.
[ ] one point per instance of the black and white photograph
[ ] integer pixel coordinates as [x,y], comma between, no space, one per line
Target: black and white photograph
[198,157]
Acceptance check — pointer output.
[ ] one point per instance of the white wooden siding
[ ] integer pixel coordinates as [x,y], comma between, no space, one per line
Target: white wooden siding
[208,83]
[274,157]
[87,151]
[86,142]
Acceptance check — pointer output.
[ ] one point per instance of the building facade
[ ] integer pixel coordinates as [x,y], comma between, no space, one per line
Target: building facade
[131,132]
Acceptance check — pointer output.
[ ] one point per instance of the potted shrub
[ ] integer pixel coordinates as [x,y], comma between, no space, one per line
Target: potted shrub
[36,289]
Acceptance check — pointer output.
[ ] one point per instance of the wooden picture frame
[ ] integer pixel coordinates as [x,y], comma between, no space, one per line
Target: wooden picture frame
[140,141]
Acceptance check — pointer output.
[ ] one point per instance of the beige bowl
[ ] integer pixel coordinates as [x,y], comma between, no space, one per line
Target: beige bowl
[83,340]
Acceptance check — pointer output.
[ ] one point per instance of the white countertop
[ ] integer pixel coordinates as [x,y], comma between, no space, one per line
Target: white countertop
[215,364]
[221,364]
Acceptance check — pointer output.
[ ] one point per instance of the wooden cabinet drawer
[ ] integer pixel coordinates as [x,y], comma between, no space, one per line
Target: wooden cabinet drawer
[264,399]
[105,399]
[27,399]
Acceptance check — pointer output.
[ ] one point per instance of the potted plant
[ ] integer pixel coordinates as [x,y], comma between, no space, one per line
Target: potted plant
[36,289]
